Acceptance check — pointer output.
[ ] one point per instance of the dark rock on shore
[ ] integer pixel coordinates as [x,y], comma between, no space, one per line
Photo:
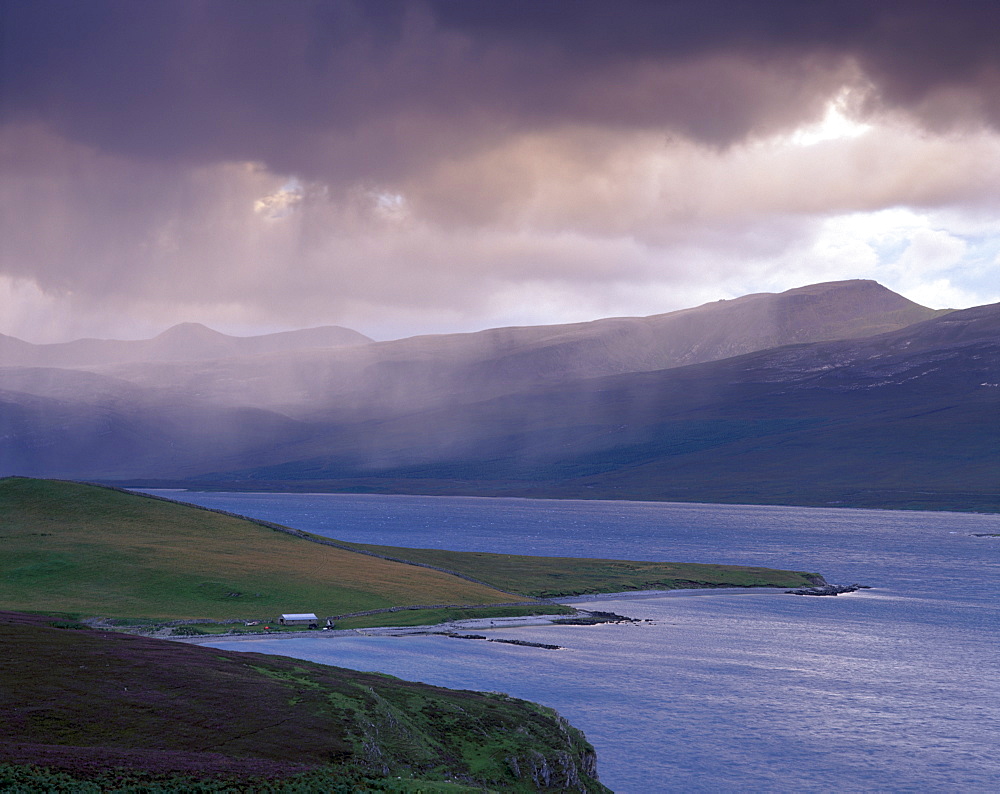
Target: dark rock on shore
[828,590]
[588,618]
[528,644]
[496,639]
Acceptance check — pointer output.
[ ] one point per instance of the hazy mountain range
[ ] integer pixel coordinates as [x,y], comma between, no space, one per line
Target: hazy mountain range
[184,342]
[842,393]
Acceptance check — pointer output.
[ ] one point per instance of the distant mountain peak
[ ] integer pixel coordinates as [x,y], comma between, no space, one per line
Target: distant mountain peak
[845,282]
[852,285]
[191,331]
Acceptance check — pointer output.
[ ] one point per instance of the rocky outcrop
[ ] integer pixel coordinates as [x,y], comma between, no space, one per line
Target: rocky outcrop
[526,643]
[593,618]
[828,589]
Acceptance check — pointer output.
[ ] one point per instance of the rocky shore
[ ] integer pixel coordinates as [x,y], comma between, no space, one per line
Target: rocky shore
[828,589]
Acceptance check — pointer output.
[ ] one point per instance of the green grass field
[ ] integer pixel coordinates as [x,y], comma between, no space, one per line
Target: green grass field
[82,549]
[555,577]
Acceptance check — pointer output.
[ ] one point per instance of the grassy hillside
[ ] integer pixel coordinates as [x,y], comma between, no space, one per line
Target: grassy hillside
[74,548]
[552,577]
[134,710]
[77,549]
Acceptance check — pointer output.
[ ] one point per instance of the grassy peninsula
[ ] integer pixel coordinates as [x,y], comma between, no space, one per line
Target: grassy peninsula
[561,577]
[86,550]
[75,548]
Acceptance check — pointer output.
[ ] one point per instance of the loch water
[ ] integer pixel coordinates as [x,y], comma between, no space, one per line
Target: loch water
[896,688]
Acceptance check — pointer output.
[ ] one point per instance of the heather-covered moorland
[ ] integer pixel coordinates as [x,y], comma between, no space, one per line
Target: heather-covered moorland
[127,711]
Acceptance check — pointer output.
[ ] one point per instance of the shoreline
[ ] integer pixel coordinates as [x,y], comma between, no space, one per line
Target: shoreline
[480,624]
[469,624]
[823,505]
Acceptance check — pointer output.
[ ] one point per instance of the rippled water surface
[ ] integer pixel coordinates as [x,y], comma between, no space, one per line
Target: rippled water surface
[891,689]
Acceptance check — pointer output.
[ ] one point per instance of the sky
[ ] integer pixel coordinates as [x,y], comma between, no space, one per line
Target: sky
[442,165]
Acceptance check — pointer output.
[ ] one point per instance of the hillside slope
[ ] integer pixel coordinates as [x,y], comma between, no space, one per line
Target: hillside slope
[73,424]
[906,419]
[73,548]
[93,703]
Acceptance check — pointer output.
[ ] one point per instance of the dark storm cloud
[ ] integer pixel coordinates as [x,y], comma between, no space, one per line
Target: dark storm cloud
[927,35]
[351,89]
[909,48]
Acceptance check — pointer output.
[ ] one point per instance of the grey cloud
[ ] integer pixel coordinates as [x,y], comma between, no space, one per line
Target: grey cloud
[351,89]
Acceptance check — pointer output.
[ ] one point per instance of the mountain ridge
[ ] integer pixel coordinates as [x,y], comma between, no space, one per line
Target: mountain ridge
[909,411]
[181,342]
[403,375]
[555,410]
